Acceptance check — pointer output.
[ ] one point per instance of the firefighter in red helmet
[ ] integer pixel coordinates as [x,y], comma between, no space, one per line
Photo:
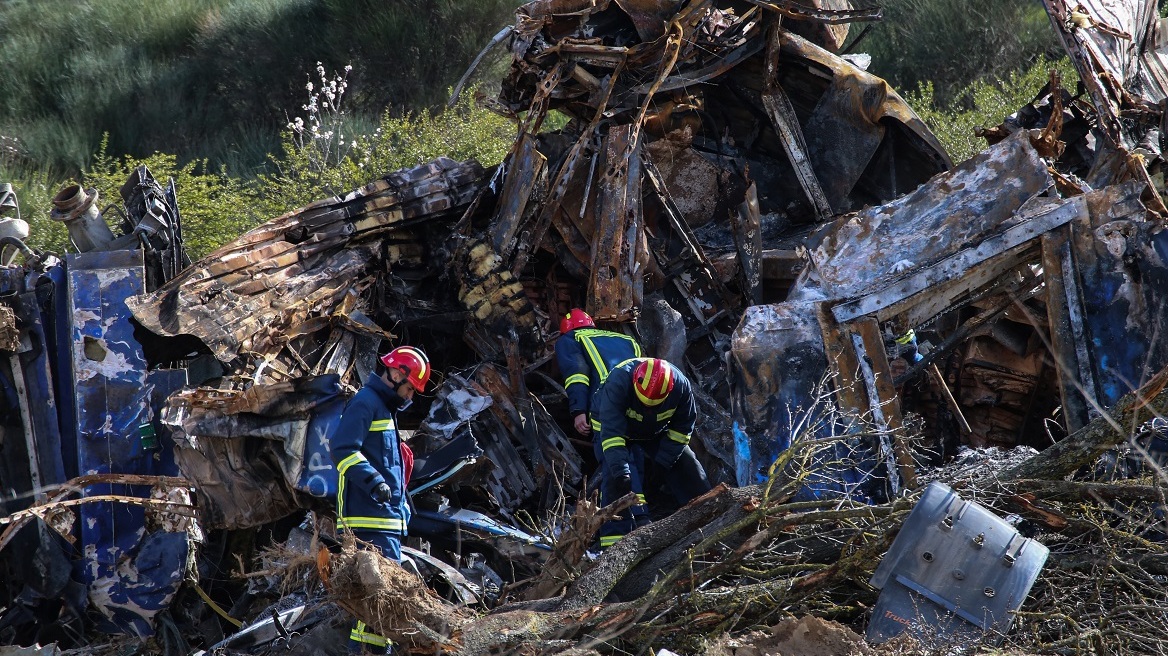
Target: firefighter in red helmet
[374,465]
[643,415]
[585,355]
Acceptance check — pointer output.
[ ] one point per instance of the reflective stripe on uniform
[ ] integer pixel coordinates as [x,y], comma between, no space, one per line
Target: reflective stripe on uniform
[609,541]
[633,414]
[576,378]
[680,438]
[907,337]
[594,355]
[380,425]
[662,416]
[353,459]
[359,634]
[612,442]
[342,467]
[640,498]
[372,523]
[595,425]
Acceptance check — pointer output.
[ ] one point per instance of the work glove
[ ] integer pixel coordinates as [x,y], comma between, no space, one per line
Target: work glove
[382,493]
[621,485]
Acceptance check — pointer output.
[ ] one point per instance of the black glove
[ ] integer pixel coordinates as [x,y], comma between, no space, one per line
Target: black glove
[621,485]
[382,493]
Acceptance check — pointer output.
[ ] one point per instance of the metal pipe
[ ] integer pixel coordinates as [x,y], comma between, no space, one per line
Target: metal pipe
[77,209]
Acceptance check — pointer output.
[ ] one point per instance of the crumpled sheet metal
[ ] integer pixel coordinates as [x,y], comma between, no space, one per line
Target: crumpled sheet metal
[245,296]
[526,453]
[251,453]
[710,89]
[1120,52]
[777,362]
[871,249]
[849,124]
[1122,266]
[615,288]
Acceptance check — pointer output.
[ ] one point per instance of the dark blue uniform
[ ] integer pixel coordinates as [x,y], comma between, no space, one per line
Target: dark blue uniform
[585,357]
[630,432]
[367,452]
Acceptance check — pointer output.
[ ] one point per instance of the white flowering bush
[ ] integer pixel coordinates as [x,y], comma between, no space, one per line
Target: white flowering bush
[319,135]
[326,154]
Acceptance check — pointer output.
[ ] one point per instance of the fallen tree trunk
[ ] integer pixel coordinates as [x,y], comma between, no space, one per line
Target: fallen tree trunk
[624,556]
[1085,445]
[398,605]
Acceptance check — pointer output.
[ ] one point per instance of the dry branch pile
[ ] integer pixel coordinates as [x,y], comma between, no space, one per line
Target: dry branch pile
[738,559]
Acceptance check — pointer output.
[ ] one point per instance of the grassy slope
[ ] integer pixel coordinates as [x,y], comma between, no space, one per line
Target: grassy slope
[214,78]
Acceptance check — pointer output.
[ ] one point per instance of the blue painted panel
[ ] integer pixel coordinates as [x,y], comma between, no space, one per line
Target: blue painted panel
[1123,272]
[38,386]
[58,337]
[777,361]
[163,383]
[129,604]
[112,405]
[319,476]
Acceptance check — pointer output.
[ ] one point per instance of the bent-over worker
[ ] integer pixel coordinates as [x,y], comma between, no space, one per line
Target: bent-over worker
[644,414]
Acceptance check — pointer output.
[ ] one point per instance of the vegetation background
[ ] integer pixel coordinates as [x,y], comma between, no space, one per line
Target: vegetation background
[259,106]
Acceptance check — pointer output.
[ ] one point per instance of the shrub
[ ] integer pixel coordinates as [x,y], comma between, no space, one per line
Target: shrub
[983,104]
[325,152]
[954,44]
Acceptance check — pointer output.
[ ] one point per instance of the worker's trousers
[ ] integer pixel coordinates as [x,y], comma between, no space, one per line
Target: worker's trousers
[361,640]
[686,480]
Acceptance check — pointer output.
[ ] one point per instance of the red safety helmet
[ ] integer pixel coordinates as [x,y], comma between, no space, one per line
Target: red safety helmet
[574,319]
[411,362]
[652,380]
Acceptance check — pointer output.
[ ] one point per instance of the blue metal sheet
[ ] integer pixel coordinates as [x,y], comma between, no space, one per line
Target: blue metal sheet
[776,361]
[113,412]
[777,364]
[318,477]
[59,338]
[1123,271]
[38,386]
[128,603]
[162,383]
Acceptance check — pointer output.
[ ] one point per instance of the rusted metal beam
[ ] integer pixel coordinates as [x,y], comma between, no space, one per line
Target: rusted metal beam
[883,399]
[1055,251]
[516,204]
[615,289]
[782,115]
[745,222]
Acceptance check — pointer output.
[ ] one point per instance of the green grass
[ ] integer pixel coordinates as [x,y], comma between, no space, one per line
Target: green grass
[213,79]
[217,206]
[953,45]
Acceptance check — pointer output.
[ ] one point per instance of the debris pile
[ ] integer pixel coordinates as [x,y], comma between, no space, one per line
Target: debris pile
[854,310]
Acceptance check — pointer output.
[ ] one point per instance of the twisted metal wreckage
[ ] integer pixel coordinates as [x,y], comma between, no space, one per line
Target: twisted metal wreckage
[754,205]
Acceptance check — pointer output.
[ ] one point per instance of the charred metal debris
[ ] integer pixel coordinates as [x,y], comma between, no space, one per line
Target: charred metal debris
[728,186]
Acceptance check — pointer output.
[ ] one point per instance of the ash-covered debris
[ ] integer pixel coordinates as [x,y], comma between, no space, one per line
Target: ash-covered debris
[857,316]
